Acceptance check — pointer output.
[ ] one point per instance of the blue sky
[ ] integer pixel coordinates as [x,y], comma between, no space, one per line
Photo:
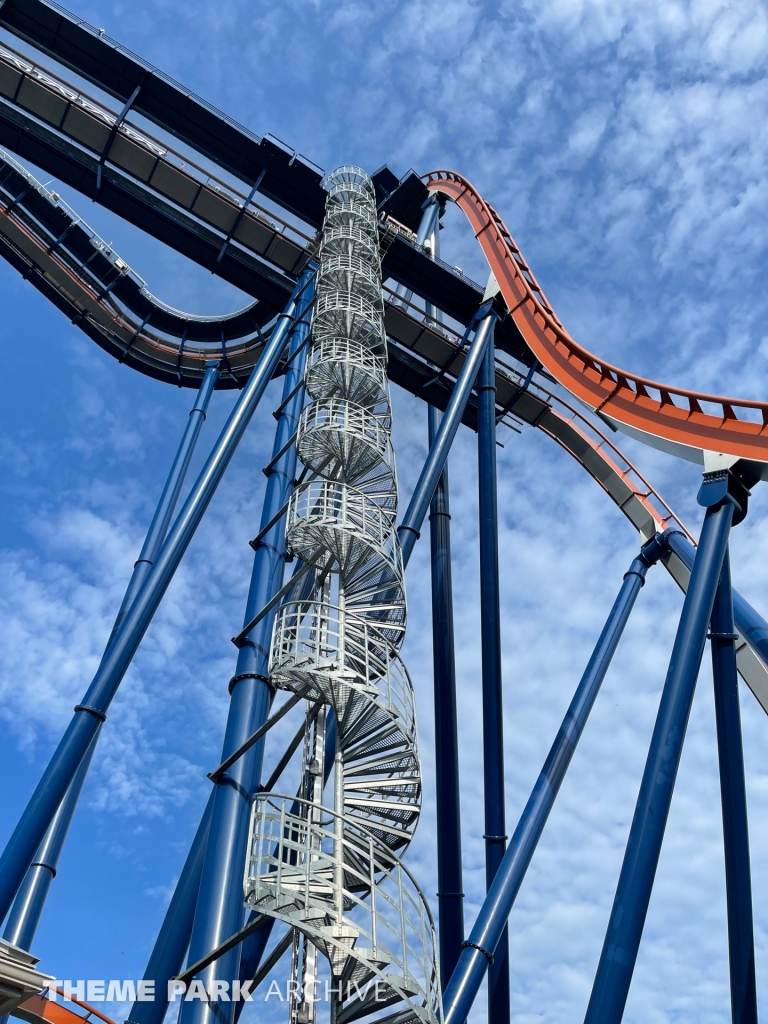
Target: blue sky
[624,143]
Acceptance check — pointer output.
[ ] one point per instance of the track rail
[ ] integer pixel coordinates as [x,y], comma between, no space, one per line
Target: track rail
[691,419]
[288,178]
[63,231]
[93,125]
[39,1009]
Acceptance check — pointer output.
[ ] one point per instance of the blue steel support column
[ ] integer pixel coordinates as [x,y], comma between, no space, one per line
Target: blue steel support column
[408,531]
[490,639]
[630,905]
[161,520]
[62,767]
[429,228]
[749,622]
[28,906]
[172,942]
[29,903]
[449,873]
[429,225]
[461,990]
[429,235]
[220,910]
[738,885]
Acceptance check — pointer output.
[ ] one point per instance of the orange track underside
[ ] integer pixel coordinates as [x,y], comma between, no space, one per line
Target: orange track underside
[729,425]
[41,1008]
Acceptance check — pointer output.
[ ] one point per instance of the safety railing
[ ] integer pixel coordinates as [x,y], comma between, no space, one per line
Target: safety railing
[341,366]
[340,212]
[323,422]
[341,521]
[328,647]
[344,270]
[345,302]
[347,239]
[345,889]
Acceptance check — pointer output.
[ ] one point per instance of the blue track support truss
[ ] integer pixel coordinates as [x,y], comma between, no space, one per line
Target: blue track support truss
[89,715]
[490,641]
[172,940]
[409,529]
[749,622]
[161,521]
[31,898]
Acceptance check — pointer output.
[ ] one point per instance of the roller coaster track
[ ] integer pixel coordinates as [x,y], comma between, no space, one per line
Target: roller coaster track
[684,422]
[100,152]
[40,1009]
[53,248]
[51,245]
[98,291]
[80,118]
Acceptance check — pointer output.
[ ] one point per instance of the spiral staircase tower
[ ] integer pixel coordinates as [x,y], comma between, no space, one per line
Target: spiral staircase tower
[334,873]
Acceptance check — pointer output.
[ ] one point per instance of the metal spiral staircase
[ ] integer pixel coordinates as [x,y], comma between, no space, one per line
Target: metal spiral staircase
[334,874]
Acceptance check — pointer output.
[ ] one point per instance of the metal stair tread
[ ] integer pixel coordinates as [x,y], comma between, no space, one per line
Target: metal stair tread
[383,992]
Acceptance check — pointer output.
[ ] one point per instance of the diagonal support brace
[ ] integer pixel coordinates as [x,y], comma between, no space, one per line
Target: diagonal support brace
[111,137]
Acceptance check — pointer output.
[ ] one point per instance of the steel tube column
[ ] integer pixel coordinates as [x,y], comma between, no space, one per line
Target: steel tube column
[430,223]
[172,942]
[630,905]
[89,715]
[749,622]
[449,873]
[28,905]
[408,530]
[219,912]
[429,228]
[465,982]
[429,235]
[490,640]
[738,884]
[161,520]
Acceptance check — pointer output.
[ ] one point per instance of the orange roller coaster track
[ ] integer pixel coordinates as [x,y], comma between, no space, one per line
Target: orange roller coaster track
[668,416]
[39,1009]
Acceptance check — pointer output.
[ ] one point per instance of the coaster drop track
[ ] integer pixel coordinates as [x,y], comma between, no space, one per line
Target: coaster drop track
[668,417]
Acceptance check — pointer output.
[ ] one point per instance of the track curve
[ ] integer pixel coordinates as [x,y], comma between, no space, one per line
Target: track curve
[40,1009]
[677,420]
[83,275]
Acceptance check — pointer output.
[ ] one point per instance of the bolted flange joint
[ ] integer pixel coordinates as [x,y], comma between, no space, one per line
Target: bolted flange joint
[724,485]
